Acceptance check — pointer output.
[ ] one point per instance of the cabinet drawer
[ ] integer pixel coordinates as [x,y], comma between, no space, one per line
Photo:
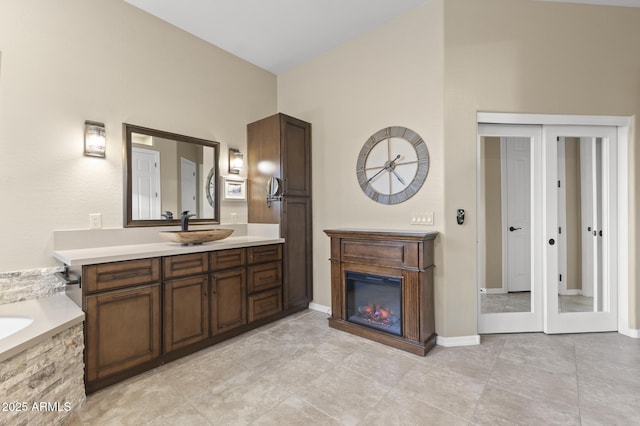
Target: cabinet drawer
[263,304]
[227,259]
[185,264]
[109,276]
[264,276]
[262,254]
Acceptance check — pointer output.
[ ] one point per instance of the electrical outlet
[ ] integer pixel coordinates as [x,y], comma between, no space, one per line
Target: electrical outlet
[95,220]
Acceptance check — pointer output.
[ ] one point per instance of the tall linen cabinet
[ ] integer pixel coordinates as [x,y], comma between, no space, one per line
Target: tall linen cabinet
[280,146]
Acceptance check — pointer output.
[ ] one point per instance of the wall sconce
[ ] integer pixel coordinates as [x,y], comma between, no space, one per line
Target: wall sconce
[95,139]
[236,161]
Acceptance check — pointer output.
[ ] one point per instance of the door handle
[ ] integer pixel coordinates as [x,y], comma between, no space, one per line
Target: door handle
[511,228]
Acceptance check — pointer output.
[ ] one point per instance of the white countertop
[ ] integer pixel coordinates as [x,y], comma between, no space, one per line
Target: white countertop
[51,315]
[88,256]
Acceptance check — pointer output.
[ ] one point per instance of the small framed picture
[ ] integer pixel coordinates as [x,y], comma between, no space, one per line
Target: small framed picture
[234,188]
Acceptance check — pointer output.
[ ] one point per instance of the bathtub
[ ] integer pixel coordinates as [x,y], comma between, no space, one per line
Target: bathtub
[10,325]
[25,324]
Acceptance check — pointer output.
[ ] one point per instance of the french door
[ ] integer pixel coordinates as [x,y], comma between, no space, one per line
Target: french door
[580,221]
[567,252]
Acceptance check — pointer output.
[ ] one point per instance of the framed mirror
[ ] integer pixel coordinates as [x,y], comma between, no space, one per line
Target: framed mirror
[166,174]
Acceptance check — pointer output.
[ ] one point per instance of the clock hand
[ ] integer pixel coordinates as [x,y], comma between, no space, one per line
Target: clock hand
[388,165]
[399,178]
[379,171]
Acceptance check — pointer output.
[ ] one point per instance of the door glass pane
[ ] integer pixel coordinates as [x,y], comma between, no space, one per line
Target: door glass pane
[506,227]
[580,224]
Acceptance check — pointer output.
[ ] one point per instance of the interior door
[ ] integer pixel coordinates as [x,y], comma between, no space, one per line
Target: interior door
[188,185]
[581,296]
[516,208]
[510,212]
[145,182]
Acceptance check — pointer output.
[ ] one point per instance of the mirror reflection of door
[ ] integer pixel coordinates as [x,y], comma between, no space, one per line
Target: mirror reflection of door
[145,191]
[188,183]
[580,225]
[507,221]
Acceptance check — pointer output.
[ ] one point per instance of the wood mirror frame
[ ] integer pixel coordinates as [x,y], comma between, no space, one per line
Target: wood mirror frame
[129,221]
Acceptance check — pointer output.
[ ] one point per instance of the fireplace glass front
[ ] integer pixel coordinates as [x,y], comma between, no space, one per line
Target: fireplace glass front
[374,301]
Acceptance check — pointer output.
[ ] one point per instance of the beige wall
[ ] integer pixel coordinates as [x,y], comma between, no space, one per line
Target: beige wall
[67,61]
[391,76]
[526,56]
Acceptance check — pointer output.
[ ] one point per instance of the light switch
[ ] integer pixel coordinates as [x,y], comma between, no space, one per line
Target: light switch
[428,218]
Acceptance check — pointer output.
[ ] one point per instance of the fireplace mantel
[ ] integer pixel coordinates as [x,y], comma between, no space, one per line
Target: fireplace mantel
[405,255]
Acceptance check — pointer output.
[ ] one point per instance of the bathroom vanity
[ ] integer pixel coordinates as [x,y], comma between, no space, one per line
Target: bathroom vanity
[149,304]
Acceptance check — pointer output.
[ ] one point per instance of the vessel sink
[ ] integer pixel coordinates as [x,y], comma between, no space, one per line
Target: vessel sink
[197,236]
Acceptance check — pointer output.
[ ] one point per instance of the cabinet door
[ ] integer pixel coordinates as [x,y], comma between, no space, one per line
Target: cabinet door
[186,312]
[122,330]
[296,156]
[296,230]
[228,300]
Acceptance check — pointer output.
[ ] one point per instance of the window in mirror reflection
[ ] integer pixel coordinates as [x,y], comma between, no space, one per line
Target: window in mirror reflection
[506,183]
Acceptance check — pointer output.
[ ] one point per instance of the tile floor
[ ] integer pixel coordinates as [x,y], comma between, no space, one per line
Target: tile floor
[298,371]
[521,302]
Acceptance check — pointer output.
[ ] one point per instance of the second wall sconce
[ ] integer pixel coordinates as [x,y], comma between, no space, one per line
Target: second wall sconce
[236,161]
[95,139]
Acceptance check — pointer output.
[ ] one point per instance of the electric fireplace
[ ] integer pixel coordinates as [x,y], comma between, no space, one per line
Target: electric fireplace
[374,301]
[382,287]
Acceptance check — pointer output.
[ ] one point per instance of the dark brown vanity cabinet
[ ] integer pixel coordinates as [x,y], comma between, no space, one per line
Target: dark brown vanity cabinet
[228,290]
[264,281]
[285,143]
[123,317]
[186,308]
[142,313]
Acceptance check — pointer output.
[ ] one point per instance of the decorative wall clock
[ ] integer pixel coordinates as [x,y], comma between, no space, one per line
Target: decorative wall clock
[211,187]
[392,165]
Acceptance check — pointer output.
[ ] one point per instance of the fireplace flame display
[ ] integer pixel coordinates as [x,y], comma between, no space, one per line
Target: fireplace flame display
[378,315]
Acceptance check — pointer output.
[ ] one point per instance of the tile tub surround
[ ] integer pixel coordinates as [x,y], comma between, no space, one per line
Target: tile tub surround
[44,384]
[298,371]
[51,315]
[29,284]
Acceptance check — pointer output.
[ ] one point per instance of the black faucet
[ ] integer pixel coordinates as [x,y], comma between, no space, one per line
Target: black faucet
[185,220]
[167,215]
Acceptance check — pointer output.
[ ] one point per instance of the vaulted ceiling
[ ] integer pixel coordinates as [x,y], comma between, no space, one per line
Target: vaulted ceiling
[279,34]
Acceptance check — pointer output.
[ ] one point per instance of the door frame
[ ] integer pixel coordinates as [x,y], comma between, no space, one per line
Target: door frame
[623,125]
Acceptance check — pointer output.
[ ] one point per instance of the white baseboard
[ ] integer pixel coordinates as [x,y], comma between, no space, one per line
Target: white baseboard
[571,292]
[450,342]
[630,332]
[493,291]
[320,308]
